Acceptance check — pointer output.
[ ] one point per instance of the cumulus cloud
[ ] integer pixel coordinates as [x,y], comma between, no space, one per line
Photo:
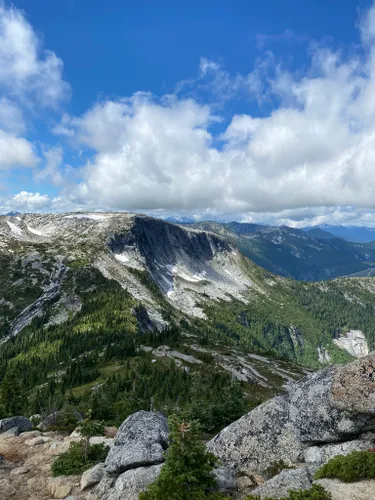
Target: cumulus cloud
[314,152]
[16,151]
[26,70]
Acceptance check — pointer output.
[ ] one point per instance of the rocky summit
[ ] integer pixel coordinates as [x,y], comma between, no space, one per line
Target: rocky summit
[329,413]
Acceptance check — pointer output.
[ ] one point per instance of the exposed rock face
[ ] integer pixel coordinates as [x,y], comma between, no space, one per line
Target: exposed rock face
[140,441]
[354,342]
[16,424]
[259,438]
[334,404]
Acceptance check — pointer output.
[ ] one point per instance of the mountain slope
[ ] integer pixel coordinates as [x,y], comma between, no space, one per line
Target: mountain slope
[88,297]
[294,253]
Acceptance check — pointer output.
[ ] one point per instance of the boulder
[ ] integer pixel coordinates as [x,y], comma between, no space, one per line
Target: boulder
[319,455]
[59,487]
[287,480]
[314,409]
[353,387]
[92,476]
[133,481]
[16,425]
[259,438]
[140,441]
[333,405]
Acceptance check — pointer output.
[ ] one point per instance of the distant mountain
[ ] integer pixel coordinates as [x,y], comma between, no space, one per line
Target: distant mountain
[180,220]
[321,234]
[13,214]
[355,234]
[295,253]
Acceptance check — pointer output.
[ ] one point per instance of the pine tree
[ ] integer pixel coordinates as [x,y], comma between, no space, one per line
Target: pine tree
[12,394]
[187,472]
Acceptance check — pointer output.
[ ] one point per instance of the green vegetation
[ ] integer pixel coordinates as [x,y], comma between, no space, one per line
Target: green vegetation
[316,492]
[82,455]
[187,471]
[356,466]
[77,459]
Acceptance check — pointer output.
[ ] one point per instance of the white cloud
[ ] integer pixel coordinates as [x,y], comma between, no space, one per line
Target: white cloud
[53,160]
[11,119]
[27,202]
[26,70]
[316,149]
[16,151]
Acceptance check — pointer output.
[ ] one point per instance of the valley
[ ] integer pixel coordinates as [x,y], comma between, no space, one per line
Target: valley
[95,301]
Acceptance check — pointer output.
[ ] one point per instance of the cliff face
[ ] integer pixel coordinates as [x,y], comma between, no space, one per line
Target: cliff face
[185,264]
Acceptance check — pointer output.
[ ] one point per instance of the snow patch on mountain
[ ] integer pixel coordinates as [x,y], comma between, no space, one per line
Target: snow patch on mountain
[15,229]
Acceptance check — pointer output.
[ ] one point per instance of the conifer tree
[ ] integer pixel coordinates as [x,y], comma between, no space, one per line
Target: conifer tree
[187,472]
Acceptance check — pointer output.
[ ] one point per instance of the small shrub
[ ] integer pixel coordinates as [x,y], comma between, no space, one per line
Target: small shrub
[316,492]
[74,461]
[356,466]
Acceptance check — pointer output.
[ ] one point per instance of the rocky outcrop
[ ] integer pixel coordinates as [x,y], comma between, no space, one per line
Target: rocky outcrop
[140,441]
[334,404]
[261,437]
[331,412]
[15,425]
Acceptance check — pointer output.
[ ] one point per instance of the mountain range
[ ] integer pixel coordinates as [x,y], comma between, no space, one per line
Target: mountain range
[294,253]
[86,296]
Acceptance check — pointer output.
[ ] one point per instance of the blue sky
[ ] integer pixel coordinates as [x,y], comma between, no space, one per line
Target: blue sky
[259,111]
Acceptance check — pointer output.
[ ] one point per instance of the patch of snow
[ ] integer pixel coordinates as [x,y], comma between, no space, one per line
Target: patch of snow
[234,253]
[354,342]
[121,257]
[86,216]
[15,229]
[34,231]
[193,279]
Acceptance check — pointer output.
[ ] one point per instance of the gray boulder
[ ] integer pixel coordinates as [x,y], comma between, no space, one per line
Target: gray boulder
[259,438]
[92,476]
[140,441]
[128,485]
[332,405]
[319,455]
[132,482]
[287,480]
[315,409]
[15,425]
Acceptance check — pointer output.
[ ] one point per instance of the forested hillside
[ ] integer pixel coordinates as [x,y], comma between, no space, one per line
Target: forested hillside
[125,312]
